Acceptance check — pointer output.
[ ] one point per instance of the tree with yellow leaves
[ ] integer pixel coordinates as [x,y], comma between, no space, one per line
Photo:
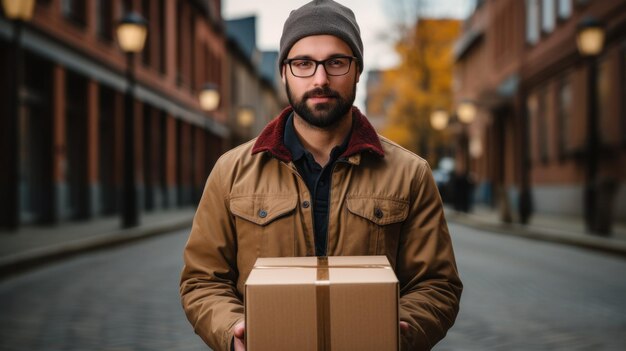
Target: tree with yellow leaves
[419,85]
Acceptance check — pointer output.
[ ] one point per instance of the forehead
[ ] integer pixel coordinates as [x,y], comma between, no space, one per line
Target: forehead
[320,47]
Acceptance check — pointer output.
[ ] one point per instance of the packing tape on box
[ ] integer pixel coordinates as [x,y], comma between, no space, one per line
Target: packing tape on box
[322,294]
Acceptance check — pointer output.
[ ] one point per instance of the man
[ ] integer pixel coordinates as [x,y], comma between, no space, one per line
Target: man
[319,181]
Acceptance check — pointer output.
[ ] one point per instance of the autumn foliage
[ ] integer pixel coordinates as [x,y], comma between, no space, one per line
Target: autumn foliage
[420,84]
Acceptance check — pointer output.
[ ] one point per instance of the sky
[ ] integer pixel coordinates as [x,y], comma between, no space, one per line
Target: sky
[376,19]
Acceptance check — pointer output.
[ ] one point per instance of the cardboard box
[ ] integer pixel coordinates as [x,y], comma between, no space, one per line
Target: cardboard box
[322,303]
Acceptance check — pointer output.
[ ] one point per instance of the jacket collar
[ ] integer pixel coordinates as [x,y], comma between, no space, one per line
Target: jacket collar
[363,138]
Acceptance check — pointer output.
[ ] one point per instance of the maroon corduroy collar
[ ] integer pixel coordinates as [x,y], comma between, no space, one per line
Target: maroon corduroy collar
[363,138]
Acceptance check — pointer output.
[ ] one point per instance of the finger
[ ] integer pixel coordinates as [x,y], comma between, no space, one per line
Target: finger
[239,330]
[239,345]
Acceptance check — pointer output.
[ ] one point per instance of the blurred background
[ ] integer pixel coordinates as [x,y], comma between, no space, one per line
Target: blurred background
[113,112]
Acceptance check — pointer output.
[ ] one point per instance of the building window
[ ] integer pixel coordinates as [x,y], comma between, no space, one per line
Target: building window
[532,21]
[127,6]
[74,10]
[161,34]
[146,52]
[180,36]
[565,8]
[564,106]
[191,49]
[548,18]
[104,19]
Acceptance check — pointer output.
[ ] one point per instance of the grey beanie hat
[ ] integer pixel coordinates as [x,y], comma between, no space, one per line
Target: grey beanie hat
[320,17]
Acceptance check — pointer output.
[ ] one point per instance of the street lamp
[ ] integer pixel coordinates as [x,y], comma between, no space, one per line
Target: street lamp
[590,37]
[466,113]
[439,119]
[18,11]
[209,97]
[590,40]
[132,31]
[245,117]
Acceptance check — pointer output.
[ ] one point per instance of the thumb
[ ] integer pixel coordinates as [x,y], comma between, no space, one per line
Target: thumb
[239,330]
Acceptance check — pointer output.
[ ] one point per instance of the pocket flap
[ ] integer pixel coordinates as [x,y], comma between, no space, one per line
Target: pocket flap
[262,209]
[381,211]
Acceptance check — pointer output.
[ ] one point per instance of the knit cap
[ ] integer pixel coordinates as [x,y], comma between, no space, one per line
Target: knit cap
[321,17]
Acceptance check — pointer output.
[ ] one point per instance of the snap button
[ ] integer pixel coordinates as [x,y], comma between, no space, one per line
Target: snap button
[306,204]
[378,213]
[262,213]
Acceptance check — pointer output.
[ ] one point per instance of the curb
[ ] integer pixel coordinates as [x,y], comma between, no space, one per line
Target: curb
[596,243]
[18,263]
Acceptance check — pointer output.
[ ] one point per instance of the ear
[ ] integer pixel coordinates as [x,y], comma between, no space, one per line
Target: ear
[358,76]
[283,73]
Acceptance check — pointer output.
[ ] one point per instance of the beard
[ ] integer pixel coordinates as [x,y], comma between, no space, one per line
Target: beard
[324,115]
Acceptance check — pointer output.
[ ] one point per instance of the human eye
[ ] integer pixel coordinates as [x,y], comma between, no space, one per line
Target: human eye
[302,64]
[337,62]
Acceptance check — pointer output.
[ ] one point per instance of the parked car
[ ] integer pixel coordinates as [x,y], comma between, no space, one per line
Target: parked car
[443,176]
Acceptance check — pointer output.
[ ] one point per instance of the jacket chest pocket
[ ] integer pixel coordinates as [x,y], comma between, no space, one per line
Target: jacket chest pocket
[264,224]
[381,219]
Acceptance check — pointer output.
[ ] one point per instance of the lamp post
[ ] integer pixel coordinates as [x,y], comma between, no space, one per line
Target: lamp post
[131,34]
[209,97]
[18,11]
[466,114]
[439,121]
[590,41]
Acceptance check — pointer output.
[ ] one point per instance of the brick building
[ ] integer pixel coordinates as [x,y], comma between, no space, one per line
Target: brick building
[71,109]
[518,62]
[256,90]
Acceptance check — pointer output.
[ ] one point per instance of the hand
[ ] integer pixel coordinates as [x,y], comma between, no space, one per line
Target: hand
[239,332]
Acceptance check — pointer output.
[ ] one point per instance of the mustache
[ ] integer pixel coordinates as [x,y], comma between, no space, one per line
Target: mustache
[321,92]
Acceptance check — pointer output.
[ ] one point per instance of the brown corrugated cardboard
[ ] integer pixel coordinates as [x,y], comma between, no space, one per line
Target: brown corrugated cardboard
[311,303]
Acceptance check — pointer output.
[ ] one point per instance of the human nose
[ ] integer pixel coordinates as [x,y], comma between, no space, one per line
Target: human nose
[320,77]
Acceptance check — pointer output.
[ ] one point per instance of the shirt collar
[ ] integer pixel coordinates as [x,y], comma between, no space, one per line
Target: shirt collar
[292,142]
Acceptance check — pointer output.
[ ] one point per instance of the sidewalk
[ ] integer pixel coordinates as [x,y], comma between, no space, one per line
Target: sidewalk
[558,229]
[32,245]
[37,245]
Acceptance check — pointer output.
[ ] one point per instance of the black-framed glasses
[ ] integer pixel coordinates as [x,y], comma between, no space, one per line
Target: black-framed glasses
[334,66]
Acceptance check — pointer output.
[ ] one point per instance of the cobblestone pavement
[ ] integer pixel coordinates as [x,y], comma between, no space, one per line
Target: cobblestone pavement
[519,295]
[118,300]
[528,295]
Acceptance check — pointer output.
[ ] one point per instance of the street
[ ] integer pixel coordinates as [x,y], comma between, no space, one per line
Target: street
[119,300]
[519,295]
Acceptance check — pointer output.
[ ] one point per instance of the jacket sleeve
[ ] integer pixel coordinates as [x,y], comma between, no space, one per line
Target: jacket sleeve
[209,277]
[430,287]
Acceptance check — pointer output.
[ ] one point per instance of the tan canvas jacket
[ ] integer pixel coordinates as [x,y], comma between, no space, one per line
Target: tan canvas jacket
[383,201]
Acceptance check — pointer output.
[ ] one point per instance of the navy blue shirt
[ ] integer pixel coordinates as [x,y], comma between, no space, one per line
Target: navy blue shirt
[317,179]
